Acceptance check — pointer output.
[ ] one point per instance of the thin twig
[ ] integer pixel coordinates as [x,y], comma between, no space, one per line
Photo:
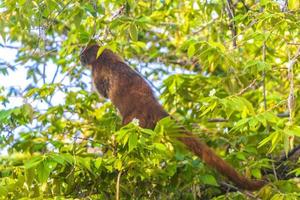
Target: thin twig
[67,73]
[291,153]
[52,20]
[249,194]
[118,185]
[280,115]
[285,6]
[252,23]
[264,76]
[291,97]
[265,99]
[230,10]
[55,74]
[246,88]
[95,17]
[44,73]
[10,66]
[217,120]
[205,26]
[245,5]
[9,47]
[293,43]
[283,115]
[119,12]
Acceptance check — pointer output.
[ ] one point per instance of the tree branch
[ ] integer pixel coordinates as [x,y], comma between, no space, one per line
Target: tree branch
[233,188]
[217,120]
[55,74]
[246,88]
[230,11]
[291,97]
[118,185]
[264,75]
[9,47]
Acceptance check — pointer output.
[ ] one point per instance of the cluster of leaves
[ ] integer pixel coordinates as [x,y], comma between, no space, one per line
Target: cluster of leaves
[239,94]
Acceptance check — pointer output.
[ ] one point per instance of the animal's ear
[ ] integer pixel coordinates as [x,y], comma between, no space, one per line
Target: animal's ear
[88,55]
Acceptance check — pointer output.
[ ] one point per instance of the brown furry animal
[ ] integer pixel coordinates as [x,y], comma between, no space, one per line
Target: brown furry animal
[133,97]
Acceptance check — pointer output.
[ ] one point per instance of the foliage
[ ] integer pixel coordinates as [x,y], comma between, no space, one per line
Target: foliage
[230,71]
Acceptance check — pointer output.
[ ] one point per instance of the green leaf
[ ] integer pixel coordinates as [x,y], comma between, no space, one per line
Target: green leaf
[84,37]
[68,157]
[28,111]
[191,50]
[3,35]
[44,169]
[29,176]
[256,173]
[148,131]
[132,141]
[3,192]
[133,32]
[100,50]
[294,4]
[90,9]
[118,164]
[98,162]
[293,131]
[5,114]
[277,197]
[274,138]
[57,158]
[85,162]
[122,136]
[209,180]
[241,156]
[33,162]
[160,147]
[31,92]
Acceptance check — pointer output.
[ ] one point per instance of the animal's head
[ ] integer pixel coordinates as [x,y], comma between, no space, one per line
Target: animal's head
[88,55]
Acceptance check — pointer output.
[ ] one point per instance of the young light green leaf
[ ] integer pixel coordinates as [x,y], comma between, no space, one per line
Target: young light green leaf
[256,173]
[191,50]
[100,50]
[4,114]
[98,162]
[133,31]
[241,156]
[28,111]
[118,164]
[44,169]
[294,4]
[148,131]
[57,158]
[85,162]
[33,162]
[132,141]
[160,147]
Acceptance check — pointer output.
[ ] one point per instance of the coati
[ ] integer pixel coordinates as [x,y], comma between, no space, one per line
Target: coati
[134,98]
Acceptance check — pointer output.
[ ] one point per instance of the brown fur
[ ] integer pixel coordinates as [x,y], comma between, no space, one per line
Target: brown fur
[133,97]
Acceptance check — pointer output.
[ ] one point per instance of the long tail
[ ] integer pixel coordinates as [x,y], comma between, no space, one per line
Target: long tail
[210,158]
